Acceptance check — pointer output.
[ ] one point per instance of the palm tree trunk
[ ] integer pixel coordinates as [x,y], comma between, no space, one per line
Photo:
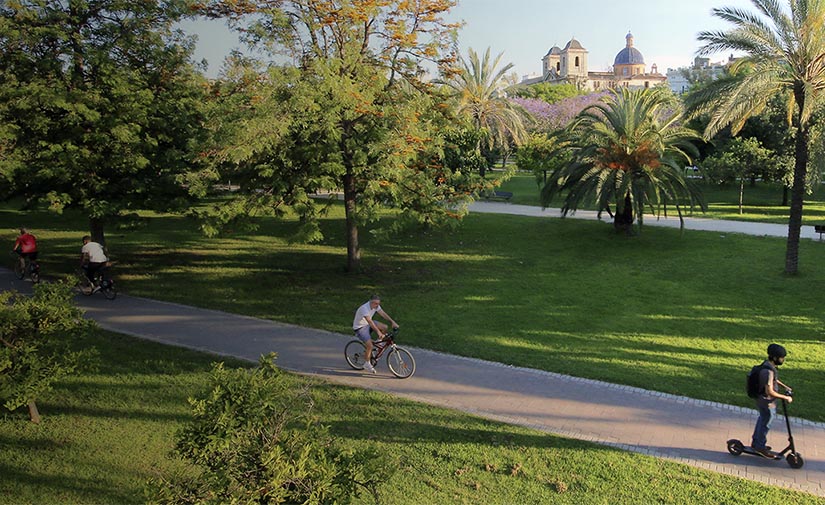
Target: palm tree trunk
[623,220]
[800,173]
[741,193]
[353,249]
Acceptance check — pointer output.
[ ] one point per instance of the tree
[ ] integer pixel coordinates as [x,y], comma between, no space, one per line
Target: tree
[628,151]
[99,103]
[550,93]
[255,439]
[35,333]
[741,159]
[349,112]
[784,53]
[477,91]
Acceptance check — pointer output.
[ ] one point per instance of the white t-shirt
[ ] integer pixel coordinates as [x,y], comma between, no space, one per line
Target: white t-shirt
[95,252]
[361,315]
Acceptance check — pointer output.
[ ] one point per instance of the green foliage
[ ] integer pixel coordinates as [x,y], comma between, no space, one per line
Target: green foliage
[742,158]
[255,439]
[100,105]
[460,152]
[550,93]
[34,332]
[542,154]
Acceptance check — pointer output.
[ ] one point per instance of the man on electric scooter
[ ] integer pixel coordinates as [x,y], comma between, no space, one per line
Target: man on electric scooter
[766,401]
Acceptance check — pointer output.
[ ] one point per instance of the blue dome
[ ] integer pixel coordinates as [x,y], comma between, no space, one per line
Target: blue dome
[629,56]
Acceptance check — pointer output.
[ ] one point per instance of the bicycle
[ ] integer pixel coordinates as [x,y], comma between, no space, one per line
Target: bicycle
[399,360]
[101,282]
[29,266]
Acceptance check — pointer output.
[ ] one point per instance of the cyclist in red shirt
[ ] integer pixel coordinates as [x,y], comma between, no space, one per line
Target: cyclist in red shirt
[25,246]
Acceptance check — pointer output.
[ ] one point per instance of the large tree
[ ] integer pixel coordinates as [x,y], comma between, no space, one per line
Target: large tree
[479,94]
[784,47]
[349,111]
[629,152]
[99,105]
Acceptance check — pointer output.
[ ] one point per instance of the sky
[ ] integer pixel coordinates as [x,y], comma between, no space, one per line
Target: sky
[524,30]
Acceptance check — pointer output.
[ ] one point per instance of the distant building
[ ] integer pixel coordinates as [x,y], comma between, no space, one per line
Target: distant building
[569,65]
[681,79]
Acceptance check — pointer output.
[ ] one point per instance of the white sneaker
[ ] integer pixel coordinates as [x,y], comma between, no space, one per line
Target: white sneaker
[96,289]
[369,368]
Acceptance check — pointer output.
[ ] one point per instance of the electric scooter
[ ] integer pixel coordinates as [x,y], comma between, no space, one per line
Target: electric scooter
[793,458]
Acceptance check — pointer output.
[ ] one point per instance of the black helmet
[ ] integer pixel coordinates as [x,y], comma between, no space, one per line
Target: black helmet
[776,351]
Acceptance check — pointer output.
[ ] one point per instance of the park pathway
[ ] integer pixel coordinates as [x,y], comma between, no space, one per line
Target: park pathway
[672,221]
[666,426]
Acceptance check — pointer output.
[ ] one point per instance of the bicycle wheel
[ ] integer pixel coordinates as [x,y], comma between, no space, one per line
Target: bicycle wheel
[84,285]
[109,292]
[355,351]
[401,363]
[19,271]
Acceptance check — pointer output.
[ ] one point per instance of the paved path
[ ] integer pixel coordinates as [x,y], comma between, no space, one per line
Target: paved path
[672,221]
[682,429]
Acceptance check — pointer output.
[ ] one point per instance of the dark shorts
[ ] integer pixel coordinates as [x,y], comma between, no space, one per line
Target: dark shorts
[363,333]
[31,255]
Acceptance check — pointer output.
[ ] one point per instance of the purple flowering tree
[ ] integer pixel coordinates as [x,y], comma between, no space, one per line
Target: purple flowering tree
[551,117]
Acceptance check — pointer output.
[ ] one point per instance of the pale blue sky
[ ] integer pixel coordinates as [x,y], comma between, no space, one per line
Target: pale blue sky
[664,30]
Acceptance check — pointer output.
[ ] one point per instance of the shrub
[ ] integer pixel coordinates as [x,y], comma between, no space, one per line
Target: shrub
[254,439]
[35,334]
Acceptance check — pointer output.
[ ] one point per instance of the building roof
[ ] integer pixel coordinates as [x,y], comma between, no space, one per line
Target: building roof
[553,50]
[573,44]
[629,56]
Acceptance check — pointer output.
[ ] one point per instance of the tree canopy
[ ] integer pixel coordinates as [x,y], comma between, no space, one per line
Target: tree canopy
[99,105]
[350,111]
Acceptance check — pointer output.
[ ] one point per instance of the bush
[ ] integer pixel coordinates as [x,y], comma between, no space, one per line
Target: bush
[35,334]
[254,439]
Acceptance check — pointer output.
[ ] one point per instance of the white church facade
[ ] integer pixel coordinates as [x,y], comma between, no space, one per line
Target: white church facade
[569,65]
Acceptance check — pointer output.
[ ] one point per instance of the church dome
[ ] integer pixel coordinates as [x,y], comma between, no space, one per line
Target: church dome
[629,55]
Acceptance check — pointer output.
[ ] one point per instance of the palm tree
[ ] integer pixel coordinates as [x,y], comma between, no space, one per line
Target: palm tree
[628,151]
[477,87]
[785,55]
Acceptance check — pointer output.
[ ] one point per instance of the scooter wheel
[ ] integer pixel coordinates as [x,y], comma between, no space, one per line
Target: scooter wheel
[794,460]
[735,447]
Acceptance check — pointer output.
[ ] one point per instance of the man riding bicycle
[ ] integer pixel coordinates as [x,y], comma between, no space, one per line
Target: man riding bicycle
[26,247]
[92,259]
[363,324]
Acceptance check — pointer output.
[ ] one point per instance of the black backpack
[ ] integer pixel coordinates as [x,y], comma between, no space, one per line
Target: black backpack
[753,389]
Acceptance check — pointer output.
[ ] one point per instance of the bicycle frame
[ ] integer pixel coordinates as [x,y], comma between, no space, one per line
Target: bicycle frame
[379,346]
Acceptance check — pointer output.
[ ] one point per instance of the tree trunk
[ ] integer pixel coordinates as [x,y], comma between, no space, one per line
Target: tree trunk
[800,173]
[741,193]
[784,196]
[34,415]
[353,250]
[96,230]
[623,220]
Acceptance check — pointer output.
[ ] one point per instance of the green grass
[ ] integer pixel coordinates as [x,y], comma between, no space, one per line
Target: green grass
[106,432]
[761,203]
[684,314]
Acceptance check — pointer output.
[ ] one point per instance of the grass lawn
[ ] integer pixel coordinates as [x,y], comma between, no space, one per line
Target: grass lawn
[760,203]
[687,315]
[106,432]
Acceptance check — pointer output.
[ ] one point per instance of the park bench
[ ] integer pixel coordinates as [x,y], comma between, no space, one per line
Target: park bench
[500,195]
[819,228]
